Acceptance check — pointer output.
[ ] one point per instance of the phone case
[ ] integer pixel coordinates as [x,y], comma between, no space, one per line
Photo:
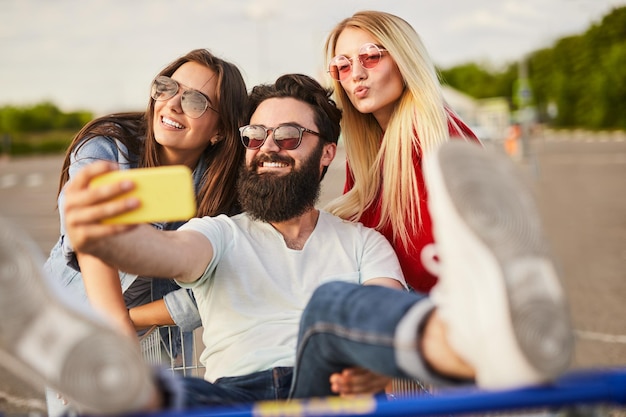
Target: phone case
[166,194]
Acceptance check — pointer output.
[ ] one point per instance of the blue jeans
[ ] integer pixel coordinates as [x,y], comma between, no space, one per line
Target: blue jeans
[272,384]
[346,325]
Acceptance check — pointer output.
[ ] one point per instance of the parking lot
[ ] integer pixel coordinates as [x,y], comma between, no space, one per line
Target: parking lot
[580,180]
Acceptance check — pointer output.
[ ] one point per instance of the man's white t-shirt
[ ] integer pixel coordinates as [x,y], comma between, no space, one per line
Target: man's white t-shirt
[253,292]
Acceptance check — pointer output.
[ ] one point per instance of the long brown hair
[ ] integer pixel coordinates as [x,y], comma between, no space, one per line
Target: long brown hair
[126,128]
[222,158]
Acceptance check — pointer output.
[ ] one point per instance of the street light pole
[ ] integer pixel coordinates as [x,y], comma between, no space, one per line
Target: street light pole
[524,95]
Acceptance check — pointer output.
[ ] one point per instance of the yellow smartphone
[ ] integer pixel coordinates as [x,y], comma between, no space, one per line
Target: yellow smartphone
[166,194]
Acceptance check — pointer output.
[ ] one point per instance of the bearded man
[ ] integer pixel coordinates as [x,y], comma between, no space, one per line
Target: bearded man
[278,286]
[252,274]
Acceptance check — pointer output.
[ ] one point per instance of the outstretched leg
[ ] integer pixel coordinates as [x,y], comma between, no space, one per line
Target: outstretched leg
[498,290]
[348,325]
[45,342]
[497,313]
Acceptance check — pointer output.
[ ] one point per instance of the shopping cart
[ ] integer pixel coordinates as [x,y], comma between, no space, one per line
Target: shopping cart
[157,344]
[590,393]
[158,348]
[579,393]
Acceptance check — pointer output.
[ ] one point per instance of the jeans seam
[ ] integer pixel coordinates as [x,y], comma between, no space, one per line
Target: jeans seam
[363,336]
[275,383]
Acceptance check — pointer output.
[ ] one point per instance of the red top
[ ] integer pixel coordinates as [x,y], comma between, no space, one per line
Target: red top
[411,259]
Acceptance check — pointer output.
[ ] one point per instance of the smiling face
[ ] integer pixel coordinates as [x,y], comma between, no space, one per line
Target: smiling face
[275,184]
[375,90]
[269,158]
[184,138]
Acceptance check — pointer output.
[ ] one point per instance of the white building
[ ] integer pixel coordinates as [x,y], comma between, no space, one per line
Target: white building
[489,118]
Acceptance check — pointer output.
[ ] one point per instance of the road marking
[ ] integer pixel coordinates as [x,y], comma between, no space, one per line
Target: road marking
[30,180]
[8,180]
[28,403]
[34,180]
[548,137]
[601,337]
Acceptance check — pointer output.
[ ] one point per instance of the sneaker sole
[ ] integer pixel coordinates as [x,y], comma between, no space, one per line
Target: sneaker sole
[493,200]
[45,342]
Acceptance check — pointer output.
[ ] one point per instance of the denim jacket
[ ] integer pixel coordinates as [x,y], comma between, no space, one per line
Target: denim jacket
[62,266]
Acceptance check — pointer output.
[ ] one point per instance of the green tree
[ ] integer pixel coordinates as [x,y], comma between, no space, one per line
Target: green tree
[472,79]
[40,117]
[583,77]
[41,128]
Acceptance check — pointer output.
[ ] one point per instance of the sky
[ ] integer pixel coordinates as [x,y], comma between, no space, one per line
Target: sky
[101,55]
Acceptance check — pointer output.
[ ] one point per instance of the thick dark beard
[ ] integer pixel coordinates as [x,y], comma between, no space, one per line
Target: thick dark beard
[273,198]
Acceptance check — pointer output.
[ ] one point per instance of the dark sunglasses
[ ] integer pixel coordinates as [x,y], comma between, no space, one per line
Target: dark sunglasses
[286,137]
[193,102]
[369,56]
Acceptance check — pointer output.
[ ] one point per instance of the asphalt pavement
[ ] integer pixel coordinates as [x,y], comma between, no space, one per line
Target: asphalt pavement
[580,183]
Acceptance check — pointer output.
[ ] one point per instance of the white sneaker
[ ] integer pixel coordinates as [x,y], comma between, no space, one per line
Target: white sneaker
[498,291]
[46,343]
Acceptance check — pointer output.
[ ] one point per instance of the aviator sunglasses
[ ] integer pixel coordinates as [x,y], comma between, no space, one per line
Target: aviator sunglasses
[287,137]
[193,102]
[369,56]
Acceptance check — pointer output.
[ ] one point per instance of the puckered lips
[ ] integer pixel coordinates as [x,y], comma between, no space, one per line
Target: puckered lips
[361,91]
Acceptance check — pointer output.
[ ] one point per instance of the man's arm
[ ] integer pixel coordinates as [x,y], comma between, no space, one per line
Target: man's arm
[359,381]
[138,249]
[385,282]
[151,314]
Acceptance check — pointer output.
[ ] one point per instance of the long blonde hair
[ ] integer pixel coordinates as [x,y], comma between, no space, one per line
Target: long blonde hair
[417,126]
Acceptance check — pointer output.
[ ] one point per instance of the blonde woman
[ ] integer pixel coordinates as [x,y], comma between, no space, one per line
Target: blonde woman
[393,115]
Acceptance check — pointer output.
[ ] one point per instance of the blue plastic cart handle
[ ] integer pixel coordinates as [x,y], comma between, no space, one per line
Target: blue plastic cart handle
[588,387]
